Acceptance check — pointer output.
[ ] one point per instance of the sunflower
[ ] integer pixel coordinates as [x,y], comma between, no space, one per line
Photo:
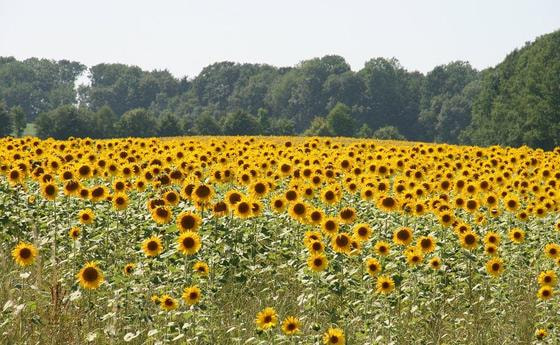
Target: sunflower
[347,215]
[201,268]
[259,189]
[545,293]
[168,303]
[317,262]
[266,319]
[188,221]
[385,285]
[129,268]
[202,193]
[435,263]
[315,217]
[446,218]
[152,246]
[120,201]
[402,236]
[329,196]
[548,278]
[24,254]
[495,267]
[341,243]
[171,198]
[98,193]
[291,325]
[372,266]
[414,257]
[15,176]
[189,243]
[382,248]
[362,231]
[278,204]
[427,244]
[552,250]
[49,191]
[517,235]
[387,203]
[90,276]
[162,215]
[316,247]
[74,233]
[86,216]
[192,295]
[298,210]
[243,209]
[155,299]
[334,336]
[233,197]
[220,209]
[493,238]
[469,240]
[540,333]
[329,226]
[491,249]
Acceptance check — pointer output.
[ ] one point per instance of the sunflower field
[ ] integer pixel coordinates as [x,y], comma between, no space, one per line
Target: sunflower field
[280,240]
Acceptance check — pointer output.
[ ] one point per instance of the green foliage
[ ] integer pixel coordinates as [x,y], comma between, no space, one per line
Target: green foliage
[169,126]
[138,123]
[364,132]
[388,133]
[5,120]
[63,122]
[240,123]
[340,121]
[319,127]
[18,120]
[519,102]
[206,124]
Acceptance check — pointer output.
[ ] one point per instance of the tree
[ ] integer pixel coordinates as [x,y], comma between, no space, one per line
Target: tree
[103,122]
[240,123]
[18,120]
[340,121]
[319,128]
[282,126]
[388,133]
[137,123]
[63,122]
[364,132]
[5,129]
[168,126]
[206,124]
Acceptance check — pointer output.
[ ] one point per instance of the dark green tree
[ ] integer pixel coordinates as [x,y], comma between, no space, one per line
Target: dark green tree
[319,127]
[169,126]
[206,124]
[340,121]
[18,120]
[64,122]
[240,123]
[136,123]
[5,128]
[388,133]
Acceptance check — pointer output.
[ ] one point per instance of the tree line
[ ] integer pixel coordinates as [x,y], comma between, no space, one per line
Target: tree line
[515,103]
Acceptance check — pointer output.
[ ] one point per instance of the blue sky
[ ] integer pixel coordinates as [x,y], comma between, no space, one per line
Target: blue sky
[184,36]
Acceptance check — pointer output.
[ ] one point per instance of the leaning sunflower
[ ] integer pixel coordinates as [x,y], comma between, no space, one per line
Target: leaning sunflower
[152,246]
[334,336]
[201,268]
[189,243]
[24,254]
[266,319]
[90,276]
[291,325]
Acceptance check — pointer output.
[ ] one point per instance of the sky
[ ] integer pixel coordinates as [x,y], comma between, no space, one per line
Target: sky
[184,36]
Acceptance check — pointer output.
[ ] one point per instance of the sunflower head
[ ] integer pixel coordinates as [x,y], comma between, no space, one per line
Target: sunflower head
[291,325]
[189,243]
[74,233]
[334,336]
[24,254]
[152,246]
[168,303]
[201,268]
[90,276]
[266,319]
[192,295]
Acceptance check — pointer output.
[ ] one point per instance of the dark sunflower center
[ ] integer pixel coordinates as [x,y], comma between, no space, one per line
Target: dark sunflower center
[318,262]
[329,195]
[260,188]
[161,212]
[388,202]
[291,195]
[385,285]
[90,274]
[553,251]
[203,191]
[299,209]
[243,208]
[25,253]
[316,246]
[193,295]
[291,327]
[347,214]
[342,241]
[188,242]
[362,231]
[334,339]
[187,222]
[50,190]
[85,216]
[330,225]
[546,293]
[152,246]
[469,239]
[373,267]
[517,234]
[267,319]
[547,279]
[426,243]
[495,267]
[171,197]
[120,200]
[403,235]
[168,302]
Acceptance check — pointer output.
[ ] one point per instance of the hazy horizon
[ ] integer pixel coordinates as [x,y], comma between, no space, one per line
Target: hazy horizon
[184,37]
